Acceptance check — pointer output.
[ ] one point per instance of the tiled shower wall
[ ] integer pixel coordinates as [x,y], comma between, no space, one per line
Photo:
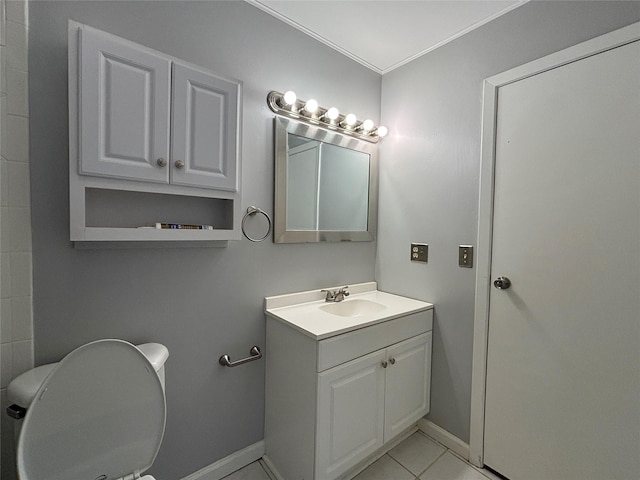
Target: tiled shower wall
[16,325]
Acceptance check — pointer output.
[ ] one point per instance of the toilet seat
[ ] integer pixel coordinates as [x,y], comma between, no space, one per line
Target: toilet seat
[100,414]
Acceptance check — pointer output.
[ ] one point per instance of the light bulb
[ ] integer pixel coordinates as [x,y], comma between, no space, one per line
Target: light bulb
[311,106]
[350,120]
[382,131]
[367,125]
[332,114]
[289,97]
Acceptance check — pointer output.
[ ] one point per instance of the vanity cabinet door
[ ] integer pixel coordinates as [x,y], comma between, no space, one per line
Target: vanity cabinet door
[124,109]
[204,147]
[408,384]
[350,414]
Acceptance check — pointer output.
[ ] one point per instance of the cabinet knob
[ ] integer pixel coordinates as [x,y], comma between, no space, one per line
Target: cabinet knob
[179,164]
[392,361]
[162,162]
[384,364]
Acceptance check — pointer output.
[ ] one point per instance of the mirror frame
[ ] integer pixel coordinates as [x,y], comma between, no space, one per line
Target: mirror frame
[284,126]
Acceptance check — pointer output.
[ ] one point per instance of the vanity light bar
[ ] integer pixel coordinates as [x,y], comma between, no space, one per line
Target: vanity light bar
[289,105]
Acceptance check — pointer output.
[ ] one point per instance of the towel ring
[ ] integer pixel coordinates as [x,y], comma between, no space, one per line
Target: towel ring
[251,212]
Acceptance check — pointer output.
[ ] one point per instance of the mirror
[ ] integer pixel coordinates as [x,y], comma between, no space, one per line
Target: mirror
[325,185]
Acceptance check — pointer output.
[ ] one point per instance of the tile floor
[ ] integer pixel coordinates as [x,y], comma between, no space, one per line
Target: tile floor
[417,458]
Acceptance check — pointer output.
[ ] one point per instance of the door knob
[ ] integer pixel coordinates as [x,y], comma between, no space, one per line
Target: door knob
[162,162]
[502,283]
[179,164]
[392,361]
[384,364]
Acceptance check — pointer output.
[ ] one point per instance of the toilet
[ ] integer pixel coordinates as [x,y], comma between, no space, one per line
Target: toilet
[98,414]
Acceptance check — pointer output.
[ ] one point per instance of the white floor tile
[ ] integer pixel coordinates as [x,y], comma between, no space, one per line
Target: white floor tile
[385,468]
[450,467]
[401,463]
[253,471]
[416,453]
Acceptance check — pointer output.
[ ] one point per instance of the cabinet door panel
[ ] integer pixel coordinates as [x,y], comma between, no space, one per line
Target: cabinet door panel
[205,128]
[350,414]
[407,384]
[124,109]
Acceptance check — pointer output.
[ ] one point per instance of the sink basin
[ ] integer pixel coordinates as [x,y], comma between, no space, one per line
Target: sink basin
[353,308]
[308,312]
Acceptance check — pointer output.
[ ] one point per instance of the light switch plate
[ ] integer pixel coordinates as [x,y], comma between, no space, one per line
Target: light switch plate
[465,256]
[419,252]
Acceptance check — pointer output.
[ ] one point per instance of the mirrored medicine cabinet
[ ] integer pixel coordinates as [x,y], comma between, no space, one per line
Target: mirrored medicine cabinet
[325,185]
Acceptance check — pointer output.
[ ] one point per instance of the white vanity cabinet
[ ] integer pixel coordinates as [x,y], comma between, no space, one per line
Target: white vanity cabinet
[368,401]
[334,401]
[142,121]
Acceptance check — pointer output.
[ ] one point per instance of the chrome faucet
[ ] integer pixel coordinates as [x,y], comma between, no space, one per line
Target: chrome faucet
[336,295]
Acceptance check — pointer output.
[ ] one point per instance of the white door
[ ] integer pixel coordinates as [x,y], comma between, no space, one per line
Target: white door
[350,414]
[563,364]
[124,109]
[408,384]
[204,148]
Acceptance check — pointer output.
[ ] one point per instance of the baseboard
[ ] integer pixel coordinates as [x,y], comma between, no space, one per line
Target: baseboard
[447,439]
[250,454]
[272,470]
[230,464]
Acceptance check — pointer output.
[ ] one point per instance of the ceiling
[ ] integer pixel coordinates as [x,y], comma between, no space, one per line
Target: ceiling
[385,34]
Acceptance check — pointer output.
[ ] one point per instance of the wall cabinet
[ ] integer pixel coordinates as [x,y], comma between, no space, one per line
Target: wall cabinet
[142,121]
[332,403]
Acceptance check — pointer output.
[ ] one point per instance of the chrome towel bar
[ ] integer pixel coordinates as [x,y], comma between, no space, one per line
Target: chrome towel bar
[255,353]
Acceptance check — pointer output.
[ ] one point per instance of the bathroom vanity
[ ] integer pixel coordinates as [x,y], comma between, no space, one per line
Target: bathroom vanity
[343,379]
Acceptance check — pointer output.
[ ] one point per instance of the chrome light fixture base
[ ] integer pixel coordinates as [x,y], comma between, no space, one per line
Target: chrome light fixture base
[319,118]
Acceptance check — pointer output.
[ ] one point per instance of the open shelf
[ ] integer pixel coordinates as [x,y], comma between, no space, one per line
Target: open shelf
[130,216]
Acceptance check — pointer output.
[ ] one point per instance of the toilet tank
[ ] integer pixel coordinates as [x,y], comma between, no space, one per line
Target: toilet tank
[23,388]
[157,355]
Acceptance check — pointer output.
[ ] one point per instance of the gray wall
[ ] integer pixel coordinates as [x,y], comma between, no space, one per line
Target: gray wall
[200,302]
[429,171]
[205,302]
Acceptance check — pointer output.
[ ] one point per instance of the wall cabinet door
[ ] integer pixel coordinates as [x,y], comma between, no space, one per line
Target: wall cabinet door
[132,104]
[350,414]
[124,109]
[204,129]
[408,384]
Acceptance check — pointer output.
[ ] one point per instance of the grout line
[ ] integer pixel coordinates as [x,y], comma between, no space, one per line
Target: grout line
[453,453]
[433,439]
[387,455]
[433,463]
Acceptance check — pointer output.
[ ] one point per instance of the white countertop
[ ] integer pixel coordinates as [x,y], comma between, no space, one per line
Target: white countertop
[302,310]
